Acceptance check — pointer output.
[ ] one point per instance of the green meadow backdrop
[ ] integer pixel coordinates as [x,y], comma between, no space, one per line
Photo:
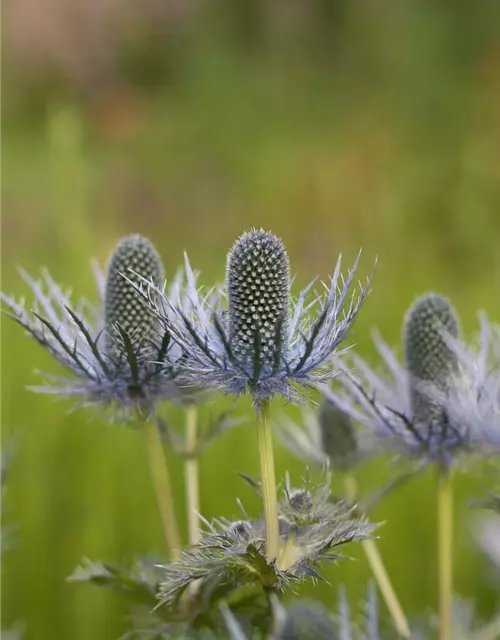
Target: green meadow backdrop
[337,125]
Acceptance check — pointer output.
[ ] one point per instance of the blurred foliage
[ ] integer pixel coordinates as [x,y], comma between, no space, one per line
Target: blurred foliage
[334,124]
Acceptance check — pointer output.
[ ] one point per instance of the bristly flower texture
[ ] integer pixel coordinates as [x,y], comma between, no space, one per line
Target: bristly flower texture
[263,343]
[116,354]
[408,411]
[232,554]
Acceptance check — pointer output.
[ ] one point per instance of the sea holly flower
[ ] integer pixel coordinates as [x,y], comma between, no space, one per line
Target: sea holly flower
[116,353]
[263,343]
[401,408]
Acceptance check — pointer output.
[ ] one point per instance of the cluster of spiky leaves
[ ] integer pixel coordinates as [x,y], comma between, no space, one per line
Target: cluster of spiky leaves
[117,353]
[313,527]
[409,410]
[263,343]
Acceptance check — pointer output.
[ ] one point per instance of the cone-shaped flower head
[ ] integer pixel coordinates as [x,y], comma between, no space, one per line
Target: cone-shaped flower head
[264,343]
[337,432]
[429,325]
[125,308]
[258,282]
[308,621]
[117,353]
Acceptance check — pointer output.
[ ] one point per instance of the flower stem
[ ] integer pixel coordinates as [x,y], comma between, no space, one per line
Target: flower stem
[380,572]
[445,551]
[191,475]
[268,480]
[162,487]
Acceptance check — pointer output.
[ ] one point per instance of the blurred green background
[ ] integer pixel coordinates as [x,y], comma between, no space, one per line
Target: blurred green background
[336,125]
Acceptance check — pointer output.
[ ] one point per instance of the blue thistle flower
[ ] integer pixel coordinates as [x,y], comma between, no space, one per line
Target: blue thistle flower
[264,343]
[415,409]
[117,354]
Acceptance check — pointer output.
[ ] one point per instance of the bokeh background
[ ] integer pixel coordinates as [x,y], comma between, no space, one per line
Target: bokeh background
[335,124]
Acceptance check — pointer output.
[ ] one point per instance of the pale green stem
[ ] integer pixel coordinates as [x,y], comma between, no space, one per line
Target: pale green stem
[191,475]
[162,487]
[445,551]
[380,572]
[268,480]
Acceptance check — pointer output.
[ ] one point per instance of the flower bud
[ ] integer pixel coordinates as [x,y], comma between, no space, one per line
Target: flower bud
[337,433]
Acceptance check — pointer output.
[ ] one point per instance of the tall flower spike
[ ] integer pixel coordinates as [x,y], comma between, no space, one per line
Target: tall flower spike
[429,356]
[116,353]
[264,343]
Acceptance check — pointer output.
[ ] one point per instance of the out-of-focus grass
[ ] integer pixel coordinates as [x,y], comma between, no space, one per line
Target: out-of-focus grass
[400,159]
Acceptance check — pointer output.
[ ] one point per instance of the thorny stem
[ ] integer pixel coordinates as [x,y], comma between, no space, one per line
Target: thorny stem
[268,480]
[162,487]
[445,551]
[191,475]
[379,571]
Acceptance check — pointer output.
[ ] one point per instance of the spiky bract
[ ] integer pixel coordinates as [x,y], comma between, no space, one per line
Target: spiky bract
[233,553]
[262,343]
[142,366]
[473,398]
[308,621]
[125,310]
